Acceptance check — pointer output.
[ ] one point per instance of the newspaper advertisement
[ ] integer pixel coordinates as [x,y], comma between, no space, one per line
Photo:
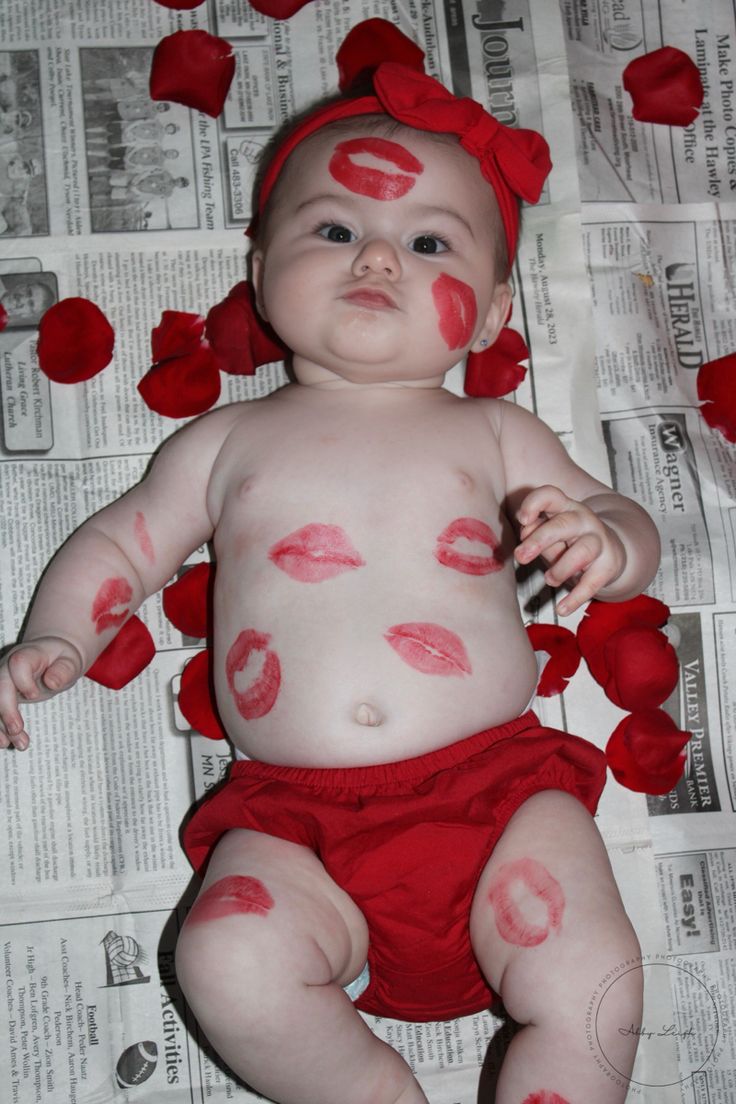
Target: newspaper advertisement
[623,288]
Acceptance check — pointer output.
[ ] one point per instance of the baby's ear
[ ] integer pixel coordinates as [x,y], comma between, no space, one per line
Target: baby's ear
[256,268]
[496,318]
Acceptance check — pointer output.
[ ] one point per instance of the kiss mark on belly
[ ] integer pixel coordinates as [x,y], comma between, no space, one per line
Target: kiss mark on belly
[431,649]
[469,563]
[143,537]
[456,309]
[235,895]
[110,604]
[370,181]
[260,694]
[510,891]
[315,552]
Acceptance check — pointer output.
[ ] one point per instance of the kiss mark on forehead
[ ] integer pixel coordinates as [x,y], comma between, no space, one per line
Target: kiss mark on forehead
[431,649]
[373,182]
[456,309]
[516,892]
[234,895]
[258,697]
[315,552]
[110,604]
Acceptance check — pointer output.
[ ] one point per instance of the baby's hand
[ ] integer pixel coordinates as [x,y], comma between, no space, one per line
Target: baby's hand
[579,547]
[33,671]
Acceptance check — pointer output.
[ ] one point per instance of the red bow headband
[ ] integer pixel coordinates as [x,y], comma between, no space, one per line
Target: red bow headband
[515,162]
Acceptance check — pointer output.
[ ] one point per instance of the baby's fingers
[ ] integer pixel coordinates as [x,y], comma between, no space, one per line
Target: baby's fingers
[12,732]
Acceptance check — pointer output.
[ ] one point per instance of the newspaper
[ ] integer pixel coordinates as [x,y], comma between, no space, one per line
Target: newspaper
[624,286]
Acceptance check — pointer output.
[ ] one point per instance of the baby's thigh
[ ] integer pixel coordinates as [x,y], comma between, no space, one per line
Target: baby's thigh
[547,921]
[269,916]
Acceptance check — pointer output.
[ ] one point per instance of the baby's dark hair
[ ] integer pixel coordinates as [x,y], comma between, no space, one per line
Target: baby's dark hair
[383,125]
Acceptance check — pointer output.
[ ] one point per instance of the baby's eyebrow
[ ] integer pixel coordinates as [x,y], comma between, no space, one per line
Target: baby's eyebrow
[430,211]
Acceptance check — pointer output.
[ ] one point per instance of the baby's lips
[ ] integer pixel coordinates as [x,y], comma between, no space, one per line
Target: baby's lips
[665,86]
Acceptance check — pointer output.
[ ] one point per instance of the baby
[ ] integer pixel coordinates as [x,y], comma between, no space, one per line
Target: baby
[399,834]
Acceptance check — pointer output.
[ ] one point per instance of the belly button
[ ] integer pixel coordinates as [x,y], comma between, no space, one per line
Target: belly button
[366,714]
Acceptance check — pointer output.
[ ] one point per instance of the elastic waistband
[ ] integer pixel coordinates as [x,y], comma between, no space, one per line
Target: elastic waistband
[403,770]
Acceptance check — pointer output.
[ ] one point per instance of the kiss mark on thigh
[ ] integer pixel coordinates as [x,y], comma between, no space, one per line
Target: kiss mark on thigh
[372,182]
[234,895]
[259,696]
[456,309]
[143,537]
[516,893]
[431,649]
[473,531]
[110,604]
[315,552]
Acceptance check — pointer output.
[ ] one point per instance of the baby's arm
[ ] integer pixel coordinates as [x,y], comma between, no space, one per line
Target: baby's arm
[601,543]
[108,567]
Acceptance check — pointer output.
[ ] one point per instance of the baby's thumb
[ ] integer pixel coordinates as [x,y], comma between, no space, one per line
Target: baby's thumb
[60,674]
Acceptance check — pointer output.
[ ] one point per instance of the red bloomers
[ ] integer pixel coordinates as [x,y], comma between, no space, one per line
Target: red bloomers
[408,842]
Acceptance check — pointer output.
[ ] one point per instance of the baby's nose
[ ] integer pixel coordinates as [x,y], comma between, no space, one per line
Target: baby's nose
[379,256]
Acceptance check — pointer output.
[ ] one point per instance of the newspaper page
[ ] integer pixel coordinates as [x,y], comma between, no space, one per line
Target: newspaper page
[141,207]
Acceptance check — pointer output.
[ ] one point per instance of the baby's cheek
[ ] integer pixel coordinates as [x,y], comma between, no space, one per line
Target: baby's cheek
[457,310]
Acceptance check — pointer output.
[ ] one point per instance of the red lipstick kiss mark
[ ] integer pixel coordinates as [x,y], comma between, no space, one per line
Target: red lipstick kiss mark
[429,648]
[110,604]
[315,552]
[259,697]
[544,1096]
[517,880]
[143,537]
[374,182]
[234,895]
[455,304]
[469,529]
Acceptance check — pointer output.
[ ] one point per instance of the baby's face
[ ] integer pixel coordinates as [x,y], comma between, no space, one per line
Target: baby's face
[377,261]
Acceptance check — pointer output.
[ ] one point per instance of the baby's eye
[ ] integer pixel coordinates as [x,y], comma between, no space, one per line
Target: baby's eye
[429,243]
[334,232]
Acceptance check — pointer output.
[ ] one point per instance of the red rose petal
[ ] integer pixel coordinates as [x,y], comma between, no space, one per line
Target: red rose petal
[239,336]
[187,603]
[178,333]
[182,386]
[75,341]
[193,68]
[368,44]
[717,389]
[603,619]
[127,654]
[197,697]
[180,5]
[564,656]
[665,86]
[645,752]
[3,317]
[278,9]
[642,668]
[496,371]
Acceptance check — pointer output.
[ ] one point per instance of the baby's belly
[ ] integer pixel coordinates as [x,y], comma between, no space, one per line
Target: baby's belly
[368,678]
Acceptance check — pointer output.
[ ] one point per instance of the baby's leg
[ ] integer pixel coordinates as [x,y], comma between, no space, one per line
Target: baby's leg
[547,925]
[262,959]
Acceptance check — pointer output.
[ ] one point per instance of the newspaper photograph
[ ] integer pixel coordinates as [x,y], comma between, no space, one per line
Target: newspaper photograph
[623,288]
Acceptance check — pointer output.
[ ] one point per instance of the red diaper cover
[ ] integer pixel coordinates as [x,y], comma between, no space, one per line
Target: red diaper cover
[408,842]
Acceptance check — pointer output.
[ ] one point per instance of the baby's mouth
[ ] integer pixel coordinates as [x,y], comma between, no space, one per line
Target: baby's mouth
[371,299]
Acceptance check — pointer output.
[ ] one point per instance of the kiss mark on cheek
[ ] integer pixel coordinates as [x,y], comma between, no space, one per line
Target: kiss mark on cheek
[143,537]
[544,1096]
[372,182]
[110,604]
[315,552]
[263,677]
[456,309]
[520,892]
[431,649]
[235,895]
[452,547]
